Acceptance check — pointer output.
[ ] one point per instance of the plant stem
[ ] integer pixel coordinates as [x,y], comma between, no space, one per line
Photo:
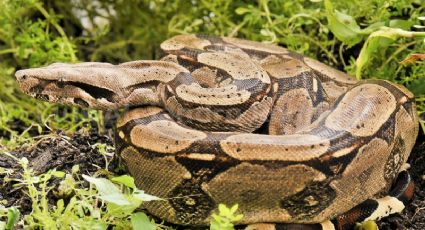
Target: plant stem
[59,29]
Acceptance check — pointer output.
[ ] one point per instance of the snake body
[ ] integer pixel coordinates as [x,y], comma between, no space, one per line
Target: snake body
[226,120]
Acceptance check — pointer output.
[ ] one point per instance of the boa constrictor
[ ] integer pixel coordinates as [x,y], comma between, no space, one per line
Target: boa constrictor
[225,120]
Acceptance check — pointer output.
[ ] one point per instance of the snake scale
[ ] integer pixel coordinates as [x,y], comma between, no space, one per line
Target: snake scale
[296,143]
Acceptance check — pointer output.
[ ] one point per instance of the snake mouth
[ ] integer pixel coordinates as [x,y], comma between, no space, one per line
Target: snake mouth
[50,86]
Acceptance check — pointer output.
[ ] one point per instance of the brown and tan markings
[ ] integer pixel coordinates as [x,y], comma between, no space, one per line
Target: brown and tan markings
[224,120]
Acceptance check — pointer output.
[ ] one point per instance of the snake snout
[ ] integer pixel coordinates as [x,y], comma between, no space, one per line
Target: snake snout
[21,75]
[26,80]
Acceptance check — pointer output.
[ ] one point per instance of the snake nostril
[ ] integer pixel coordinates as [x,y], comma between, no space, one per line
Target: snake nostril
[24,77]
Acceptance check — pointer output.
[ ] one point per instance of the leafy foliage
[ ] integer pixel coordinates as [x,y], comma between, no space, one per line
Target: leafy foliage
[82,210]
[31,36]
[225,218]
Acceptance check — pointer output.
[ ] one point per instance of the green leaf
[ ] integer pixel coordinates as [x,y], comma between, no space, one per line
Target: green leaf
[75,169]
[117,198]
[224,211]
[234,208]
[144,197]
[122,211]
[125,180]
[60,207]
[379,40]
[107,190]
[401,24]
[225,218]
[140,221]
[12,217]
[58,174]
[367,225]
[242,10]
[343,26]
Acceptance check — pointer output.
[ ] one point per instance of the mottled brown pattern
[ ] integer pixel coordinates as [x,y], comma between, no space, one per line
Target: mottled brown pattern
[263,189]
[363,110]
[173,138]
[293,112]
[347,141]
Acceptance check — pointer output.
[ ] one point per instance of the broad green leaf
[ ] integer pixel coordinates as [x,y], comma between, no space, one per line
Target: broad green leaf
[107,190]
[144,197]
[343,26]
[140,221]
[122,211]
[371,45]
[117,198]
[125,180]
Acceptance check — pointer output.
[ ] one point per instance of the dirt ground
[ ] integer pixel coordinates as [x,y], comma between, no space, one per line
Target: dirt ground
[61,152]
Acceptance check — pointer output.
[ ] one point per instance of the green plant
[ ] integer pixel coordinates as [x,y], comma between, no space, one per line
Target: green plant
[111,203]
[11,214]
[367,225]
[226,218]
[30,35]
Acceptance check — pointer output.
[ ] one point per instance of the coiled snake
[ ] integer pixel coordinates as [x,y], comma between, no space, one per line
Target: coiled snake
[225,120]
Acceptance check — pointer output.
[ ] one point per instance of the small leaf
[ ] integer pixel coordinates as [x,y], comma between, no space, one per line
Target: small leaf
[234,208]
[60,207]
[401,24]
[238,217]
[140,221]
[12,217]
[367,225]
[125,180]
[75,169]
[58,174]
[223,210]
[242,10]
[107,190]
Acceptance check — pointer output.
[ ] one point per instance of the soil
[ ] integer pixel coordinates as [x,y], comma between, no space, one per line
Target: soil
[52,151]
[62,152]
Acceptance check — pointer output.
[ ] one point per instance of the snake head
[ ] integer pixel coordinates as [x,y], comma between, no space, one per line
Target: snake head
[82,84]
